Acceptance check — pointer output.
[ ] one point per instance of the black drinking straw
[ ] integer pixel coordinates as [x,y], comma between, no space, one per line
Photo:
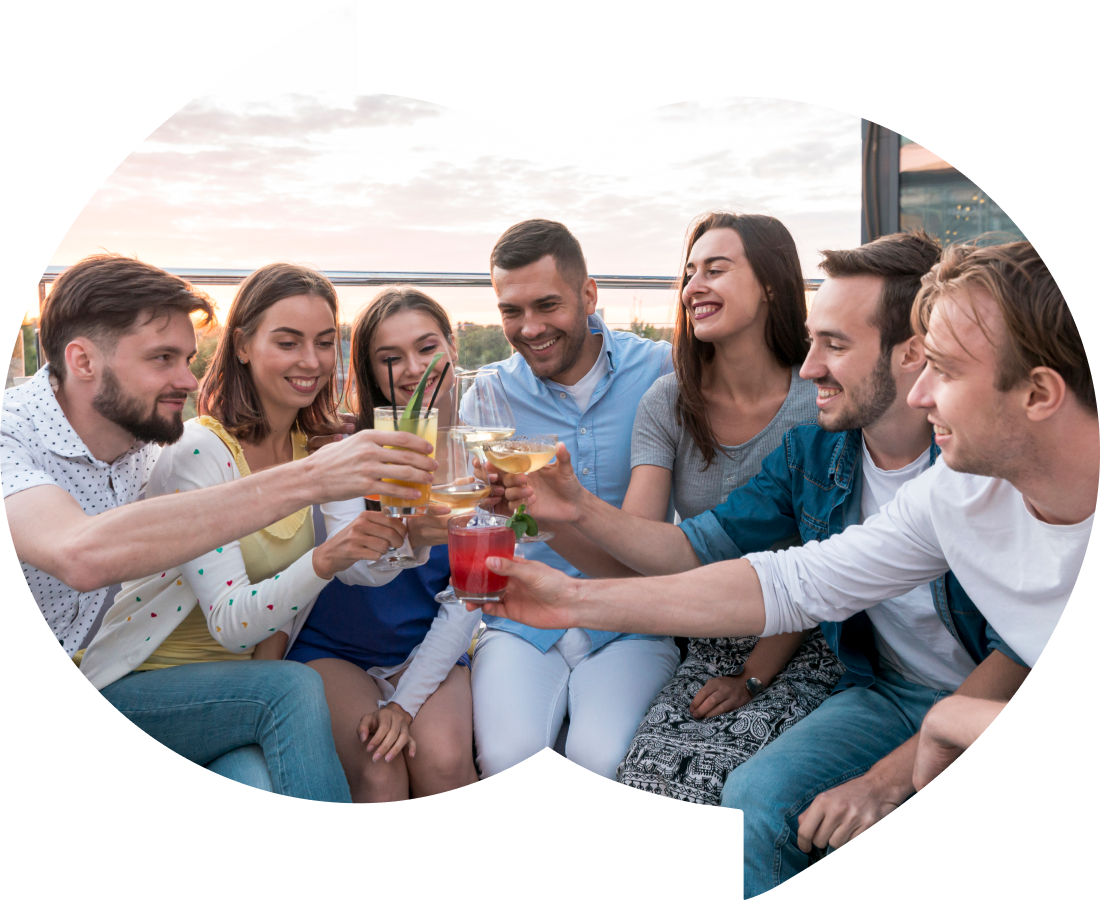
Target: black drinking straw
[435,393]
[393,396]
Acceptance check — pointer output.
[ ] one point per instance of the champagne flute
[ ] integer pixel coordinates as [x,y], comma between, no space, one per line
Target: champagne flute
[523,454]
[388,418]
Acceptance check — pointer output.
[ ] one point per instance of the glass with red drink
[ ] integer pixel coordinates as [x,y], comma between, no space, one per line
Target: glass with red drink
[469,547]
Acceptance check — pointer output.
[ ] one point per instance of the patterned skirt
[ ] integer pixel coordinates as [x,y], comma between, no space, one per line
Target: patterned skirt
[676,755]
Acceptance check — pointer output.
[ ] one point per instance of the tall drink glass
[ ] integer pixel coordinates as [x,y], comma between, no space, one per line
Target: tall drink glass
[423,425]
[469,548]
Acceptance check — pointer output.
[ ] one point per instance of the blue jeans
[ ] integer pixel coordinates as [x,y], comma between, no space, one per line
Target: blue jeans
[204,711]
[245,765]
[839,741]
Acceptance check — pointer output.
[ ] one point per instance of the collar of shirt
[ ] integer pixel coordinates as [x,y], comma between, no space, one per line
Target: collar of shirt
[54,429]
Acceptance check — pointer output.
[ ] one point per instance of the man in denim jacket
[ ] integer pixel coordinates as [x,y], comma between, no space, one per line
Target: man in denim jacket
[851,761]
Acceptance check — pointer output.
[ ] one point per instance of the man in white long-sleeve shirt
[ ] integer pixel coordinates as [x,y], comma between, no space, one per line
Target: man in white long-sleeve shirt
[1008,390]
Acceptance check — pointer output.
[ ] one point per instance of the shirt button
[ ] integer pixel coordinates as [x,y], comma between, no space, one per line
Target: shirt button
[562,395]
[584,471]
[584,431]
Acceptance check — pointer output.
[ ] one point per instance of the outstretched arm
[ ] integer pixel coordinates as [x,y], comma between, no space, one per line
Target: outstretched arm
[601,539]
[52,533]
[713,601]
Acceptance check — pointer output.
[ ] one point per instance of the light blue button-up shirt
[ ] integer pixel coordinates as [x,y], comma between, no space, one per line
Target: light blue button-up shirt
[598,439]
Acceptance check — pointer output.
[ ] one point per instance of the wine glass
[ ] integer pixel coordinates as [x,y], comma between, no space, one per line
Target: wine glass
[484,413]
[457,483]
[523,454]
[423,424]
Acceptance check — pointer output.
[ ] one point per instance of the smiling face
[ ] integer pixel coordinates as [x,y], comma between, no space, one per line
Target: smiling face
[146,378]
[291,355]
[722,295]
[979,429]
[855,384]
[544,318]
[410,338]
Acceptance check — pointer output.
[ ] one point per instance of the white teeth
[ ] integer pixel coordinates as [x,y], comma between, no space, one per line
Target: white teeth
[304,382]
[826,393]
[705,310]
[940,429]
[544,346]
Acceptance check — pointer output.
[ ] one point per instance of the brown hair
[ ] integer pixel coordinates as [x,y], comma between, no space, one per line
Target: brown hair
[228,392]
[528,242]
[102,297]
[901,260]
[364,393]
[770,251]
[1039,328]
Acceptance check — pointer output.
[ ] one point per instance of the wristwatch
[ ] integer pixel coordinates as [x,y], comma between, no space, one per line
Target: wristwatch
[754,686]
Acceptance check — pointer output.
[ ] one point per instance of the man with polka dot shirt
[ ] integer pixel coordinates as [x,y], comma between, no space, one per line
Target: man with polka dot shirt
[79,439]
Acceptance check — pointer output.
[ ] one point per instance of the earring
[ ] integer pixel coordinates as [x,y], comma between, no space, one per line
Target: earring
[240,359]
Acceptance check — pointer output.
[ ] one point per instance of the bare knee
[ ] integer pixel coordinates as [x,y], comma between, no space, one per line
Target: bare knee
[377,782]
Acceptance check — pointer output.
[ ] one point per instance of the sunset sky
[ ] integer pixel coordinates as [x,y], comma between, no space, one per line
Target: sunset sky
[292,164]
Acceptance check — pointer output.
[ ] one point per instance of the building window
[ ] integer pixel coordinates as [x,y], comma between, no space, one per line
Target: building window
[937,197]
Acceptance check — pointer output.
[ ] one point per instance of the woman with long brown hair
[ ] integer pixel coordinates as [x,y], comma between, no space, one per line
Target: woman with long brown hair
[269,388]
[699,433]
[393,660]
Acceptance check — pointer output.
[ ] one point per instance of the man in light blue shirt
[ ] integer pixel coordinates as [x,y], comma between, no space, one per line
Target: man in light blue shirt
[574,377]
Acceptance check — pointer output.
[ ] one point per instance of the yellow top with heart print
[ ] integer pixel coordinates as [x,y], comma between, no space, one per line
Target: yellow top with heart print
[266,553]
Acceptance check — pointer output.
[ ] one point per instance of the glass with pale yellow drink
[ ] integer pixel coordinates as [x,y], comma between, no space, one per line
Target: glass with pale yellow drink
[423,425]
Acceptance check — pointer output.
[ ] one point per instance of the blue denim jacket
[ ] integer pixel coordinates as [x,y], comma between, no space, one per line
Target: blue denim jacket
[811,485]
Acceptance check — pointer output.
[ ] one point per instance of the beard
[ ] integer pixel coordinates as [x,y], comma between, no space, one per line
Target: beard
[867,402]
[129,413]
[570,350]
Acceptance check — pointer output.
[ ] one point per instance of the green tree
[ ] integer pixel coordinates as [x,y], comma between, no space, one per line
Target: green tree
[207,344]
[479,345]
[650,332]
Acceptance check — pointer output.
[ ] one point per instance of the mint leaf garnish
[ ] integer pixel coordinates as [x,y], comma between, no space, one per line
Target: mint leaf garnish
[521,523]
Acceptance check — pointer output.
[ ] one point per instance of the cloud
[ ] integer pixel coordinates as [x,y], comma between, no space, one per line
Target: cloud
[204,121]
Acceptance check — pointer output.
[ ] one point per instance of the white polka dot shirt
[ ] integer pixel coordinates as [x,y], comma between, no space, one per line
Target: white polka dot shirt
[39,447]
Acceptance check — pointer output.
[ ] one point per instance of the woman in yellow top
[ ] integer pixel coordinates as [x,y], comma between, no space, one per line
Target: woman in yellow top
[270,386]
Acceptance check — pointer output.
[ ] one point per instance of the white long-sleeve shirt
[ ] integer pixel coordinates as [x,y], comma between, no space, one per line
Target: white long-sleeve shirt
[1017,570]
[239,613]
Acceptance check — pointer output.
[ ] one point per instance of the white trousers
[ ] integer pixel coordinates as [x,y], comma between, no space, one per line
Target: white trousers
[521,696]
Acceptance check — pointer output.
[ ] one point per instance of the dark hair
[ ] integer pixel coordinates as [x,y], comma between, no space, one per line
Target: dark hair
[364,393]
[901,260]
[530,241]
[228,393]
[770,251]
[102,297]
[1039,328]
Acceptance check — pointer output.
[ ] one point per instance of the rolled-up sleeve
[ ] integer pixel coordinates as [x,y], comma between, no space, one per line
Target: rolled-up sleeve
[888,555]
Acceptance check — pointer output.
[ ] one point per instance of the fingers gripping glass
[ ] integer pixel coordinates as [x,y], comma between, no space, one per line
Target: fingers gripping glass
[521,455]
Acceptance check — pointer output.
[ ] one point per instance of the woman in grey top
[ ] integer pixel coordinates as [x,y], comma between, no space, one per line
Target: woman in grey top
[698,434]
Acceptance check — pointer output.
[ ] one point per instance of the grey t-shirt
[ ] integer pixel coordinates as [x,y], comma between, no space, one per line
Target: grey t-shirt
[659,441]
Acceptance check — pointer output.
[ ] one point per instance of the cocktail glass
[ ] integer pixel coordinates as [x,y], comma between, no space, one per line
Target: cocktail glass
[521,455]
[387,418]
[469,545]
[458,484]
